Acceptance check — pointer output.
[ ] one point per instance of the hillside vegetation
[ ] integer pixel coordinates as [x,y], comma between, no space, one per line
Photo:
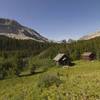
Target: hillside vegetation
[14,54]
[19,55]
[73,50]
[28,72]
[80,82]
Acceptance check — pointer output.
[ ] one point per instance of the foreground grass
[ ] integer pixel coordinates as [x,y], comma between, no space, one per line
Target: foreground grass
[80,82]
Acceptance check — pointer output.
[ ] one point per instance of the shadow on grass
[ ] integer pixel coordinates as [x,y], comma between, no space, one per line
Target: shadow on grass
[26,75]
[72,64]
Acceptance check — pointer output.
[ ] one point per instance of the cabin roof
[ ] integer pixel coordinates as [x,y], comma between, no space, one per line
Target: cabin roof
[58,57]
[86,53]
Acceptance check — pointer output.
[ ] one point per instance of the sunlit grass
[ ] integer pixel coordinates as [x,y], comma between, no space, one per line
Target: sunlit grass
[79,82]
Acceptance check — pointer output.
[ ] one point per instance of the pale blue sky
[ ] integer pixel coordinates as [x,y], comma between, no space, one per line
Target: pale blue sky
[55,19]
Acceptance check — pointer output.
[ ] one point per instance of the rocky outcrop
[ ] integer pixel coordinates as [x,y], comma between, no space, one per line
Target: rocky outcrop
[13,29]
[90,36]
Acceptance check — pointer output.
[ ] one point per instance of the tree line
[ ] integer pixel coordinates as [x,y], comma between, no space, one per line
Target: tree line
[74,50]
[14,53]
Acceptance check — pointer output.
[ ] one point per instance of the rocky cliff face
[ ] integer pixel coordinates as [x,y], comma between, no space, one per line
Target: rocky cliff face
[90,36]
[13,29]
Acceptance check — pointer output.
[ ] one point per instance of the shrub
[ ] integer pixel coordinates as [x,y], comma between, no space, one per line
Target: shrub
[19,65]
[11,67]
[46,81]
[32,69]
[2,73]
[6,69]
[98,55]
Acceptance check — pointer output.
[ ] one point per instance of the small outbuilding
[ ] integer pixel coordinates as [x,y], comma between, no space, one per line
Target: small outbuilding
[62,59]
[88,56]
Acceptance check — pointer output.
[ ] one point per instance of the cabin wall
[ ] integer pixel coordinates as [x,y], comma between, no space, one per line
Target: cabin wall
[86,58]
[57,63]
[65,62]
[92,57]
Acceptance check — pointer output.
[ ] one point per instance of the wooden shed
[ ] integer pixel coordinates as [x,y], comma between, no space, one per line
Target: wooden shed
[62,59]
[88,56]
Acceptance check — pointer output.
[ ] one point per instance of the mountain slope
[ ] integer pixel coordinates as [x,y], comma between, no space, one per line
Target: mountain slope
[90,36]
[13,29]
[73,50]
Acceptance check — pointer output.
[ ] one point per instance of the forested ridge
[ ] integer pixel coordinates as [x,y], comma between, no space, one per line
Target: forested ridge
[15,44]
[74,50]
[26,48]
[15,55]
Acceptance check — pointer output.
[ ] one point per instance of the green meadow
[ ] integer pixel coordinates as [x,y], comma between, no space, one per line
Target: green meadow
[28,72]
[79,82]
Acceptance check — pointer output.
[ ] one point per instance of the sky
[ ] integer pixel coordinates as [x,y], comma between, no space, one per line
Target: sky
[55,19]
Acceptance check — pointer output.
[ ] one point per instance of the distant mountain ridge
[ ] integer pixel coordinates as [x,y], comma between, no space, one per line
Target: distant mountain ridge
[64,41]
[90,36]
[13,29]
[68,40]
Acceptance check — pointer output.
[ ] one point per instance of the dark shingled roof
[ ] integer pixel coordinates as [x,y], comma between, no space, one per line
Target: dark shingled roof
[86,53]
[58,57]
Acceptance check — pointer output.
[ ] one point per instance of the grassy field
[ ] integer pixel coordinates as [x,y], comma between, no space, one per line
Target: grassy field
[79,82]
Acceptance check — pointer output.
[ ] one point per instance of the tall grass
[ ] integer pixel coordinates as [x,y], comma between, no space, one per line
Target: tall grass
[80,82]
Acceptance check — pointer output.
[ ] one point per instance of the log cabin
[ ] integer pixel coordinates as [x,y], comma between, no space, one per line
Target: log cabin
[62,59]
[88,56]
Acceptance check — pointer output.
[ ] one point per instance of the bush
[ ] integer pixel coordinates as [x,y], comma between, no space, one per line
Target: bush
[2,73]
[6,69]
[32,69]
[11,67]
[19,65]
[46,81]
[98,55]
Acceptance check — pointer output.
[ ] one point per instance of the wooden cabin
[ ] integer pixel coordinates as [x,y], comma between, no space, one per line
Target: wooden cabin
[62,59]
[88,56]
